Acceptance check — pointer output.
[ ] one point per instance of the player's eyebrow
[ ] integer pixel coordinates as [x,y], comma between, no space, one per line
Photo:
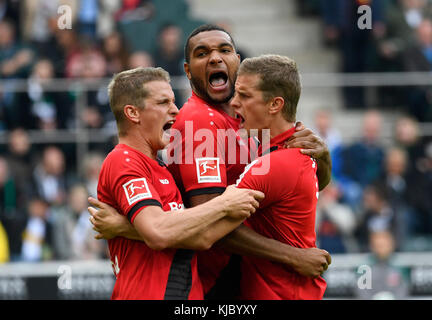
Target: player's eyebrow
[226,44]
[204,47]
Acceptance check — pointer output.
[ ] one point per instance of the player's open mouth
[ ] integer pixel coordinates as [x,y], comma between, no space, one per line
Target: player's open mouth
[168,125]
[239,116]
[218,80]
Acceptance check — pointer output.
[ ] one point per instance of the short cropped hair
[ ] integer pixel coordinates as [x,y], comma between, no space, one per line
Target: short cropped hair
[203,28]
[127,88]
[279,77]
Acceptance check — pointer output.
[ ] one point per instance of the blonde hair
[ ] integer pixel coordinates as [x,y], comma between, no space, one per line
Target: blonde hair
[128,88]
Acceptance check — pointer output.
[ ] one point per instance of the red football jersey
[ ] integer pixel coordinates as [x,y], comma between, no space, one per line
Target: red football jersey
[211,156]
[129,181]
[286,214]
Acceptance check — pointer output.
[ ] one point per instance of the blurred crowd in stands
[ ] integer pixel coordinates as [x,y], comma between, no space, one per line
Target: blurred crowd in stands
[43,190]
[400,40]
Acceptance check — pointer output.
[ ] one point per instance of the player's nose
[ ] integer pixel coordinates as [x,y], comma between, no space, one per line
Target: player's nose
[235,102]
[173,111]
[215,57]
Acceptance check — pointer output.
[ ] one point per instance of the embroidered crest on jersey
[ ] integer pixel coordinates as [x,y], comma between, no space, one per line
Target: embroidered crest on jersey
[136,189]
[208,170]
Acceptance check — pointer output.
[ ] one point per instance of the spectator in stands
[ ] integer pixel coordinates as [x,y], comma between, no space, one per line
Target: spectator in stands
[15,61]
[92,164]
[396,181]
[332,137]
[132,10]
[106,22]
[38,108]
[418,57]
[356,45]
[65,46]
[403,17]
[83,244]
[90,64]
[140,59]
[10,11]
[36,241]
[377,215]
[169,54]
[325,129]
[407,137]
[40,22]
[115,52]
[87,62]
[10,217]
[169,50]
[335,222]
[88,11]
[72,230]
[50,177]
[19,158]
[421,191]
[389,282]
[362,161]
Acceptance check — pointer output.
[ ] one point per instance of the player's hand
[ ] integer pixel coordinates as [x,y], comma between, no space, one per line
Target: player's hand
[241,203]
[312,262]
[309,143]
[105,219]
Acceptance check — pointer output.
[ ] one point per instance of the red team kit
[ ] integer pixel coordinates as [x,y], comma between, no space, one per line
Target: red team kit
[130,181]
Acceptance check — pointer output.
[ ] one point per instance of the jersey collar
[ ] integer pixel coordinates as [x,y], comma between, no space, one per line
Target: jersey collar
[276,142]
[234,121]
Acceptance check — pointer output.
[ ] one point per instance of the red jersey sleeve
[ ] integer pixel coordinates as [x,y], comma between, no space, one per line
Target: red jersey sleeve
[126,184]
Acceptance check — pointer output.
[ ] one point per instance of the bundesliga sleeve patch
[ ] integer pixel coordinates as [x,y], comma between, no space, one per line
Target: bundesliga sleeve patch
[208,170]
[136,189]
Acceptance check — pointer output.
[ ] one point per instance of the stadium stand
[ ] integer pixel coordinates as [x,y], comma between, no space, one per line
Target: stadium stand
[53,97]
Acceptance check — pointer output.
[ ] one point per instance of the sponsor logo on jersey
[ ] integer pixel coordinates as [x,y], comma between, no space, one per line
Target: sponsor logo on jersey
[208,170]
[136,189]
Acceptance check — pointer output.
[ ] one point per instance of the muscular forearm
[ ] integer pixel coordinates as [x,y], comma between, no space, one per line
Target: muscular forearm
[324,170]
[127,230]
[207,237]
[168,230]
[245,241]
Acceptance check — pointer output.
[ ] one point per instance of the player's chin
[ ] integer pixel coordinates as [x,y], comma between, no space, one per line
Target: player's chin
[165,138]
[221,96]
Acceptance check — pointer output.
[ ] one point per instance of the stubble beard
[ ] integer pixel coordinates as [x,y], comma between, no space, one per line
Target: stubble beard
[200,90]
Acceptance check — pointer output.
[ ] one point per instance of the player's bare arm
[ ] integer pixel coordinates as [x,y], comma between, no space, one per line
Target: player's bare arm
[312,145]
[161,230]
[310,262]
[108,223]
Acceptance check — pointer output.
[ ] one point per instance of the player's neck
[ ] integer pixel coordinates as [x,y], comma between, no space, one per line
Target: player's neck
[227,109]
[277,127]
[138,143]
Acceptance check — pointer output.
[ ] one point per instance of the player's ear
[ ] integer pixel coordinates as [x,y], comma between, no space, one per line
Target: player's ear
[131,113]
[276,105]
[186,69]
